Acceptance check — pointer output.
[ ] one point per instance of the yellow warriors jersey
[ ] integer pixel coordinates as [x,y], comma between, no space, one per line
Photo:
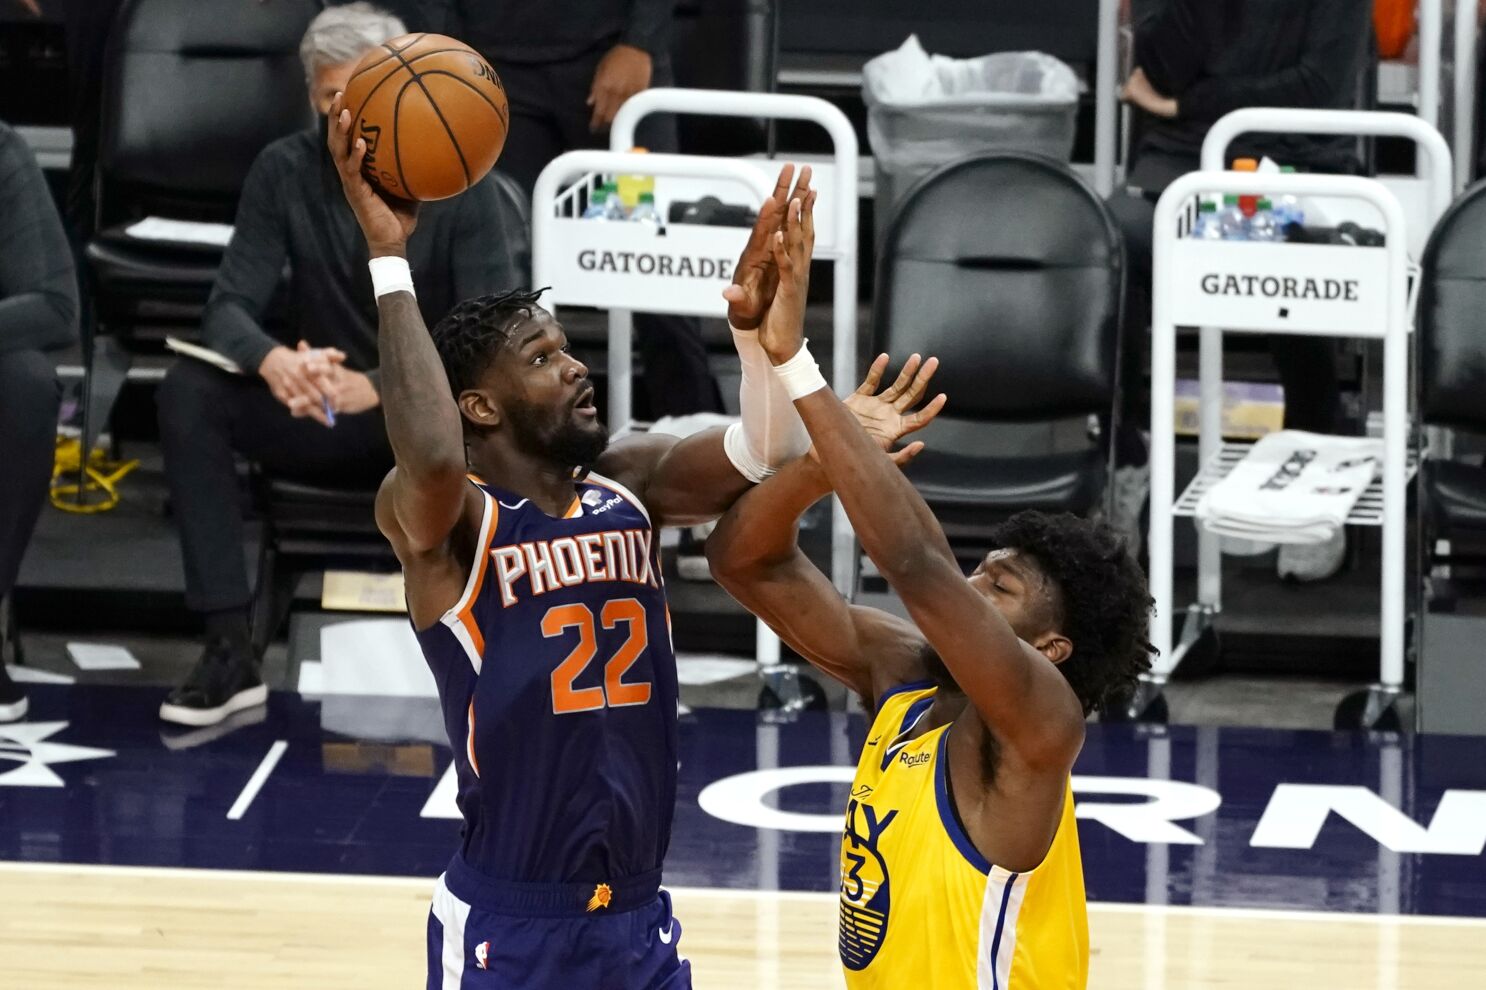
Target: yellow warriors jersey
[920,906]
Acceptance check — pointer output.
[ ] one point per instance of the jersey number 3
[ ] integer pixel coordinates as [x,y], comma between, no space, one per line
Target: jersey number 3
[615,692]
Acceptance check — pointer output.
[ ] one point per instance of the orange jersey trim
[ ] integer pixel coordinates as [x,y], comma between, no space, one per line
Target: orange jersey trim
[466,613]
[469,745]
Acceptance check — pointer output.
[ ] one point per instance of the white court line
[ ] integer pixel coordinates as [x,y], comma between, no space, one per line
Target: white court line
[255,782]
[425,885]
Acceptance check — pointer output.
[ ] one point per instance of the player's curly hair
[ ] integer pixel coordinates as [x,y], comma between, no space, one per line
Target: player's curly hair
[1106,607]
[474,331]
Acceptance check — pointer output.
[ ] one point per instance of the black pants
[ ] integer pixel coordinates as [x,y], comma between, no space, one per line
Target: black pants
[1306,365]
[206,416]
[29,399]
[548,117]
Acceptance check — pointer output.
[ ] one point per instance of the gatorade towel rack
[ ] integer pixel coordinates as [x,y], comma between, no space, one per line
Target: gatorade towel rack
[1374,304]
[624,267]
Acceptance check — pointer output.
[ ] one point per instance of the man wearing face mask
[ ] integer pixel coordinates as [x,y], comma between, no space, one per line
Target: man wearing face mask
[307,403]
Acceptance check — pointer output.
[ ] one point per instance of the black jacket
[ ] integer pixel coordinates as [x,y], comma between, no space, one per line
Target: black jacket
[1215,56]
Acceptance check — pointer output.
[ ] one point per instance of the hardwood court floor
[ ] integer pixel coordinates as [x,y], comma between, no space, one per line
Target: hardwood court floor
[82,926]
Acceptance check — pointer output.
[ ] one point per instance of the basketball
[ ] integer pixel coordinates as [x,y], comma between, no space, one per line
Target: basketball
[432,112]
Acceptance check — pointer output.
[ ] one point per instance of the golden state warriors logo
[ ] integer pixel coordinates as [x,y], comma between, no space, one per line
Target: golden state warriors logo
[864,885]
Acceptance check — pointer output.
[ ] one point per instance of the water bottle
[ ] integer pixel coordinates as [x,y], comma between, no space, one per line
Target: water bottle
[1207,227]
[614,206]
[631,185]
[597,204]
[645,211]
[1264,225]
[1287,210]
[1232,224]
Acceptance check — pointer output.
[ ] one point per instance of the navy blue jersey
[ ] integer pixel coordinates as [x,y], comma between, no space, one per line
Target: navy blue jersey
[558,684]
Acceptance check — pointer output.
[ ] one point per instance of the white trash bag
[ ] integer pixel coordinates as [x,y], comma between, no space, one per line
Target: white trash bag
[924,111]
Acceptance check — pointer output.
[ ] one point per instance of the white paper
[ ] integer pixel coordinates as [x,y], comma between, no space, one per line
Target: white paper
[698,669]
[101,656]
[187,349]
[311,678]
[181,231]
[373,656]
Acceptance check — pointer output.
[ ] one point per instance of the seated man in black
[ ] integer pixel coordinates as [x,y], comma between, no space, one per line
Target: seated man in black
[38,313]
[306,405]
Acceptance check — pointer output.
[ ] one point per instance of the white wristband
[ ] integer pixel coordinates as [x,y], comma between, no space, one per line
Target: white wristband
[391,274]
[800,375]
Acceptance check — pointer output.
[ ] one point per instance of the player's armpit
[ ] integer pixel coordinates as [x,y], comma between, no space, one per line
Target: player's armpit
[682,482]
[435,572]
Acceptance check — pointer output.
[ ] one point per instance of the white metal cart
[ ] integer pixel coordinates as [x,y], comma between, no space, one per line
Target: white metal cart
[1374,305]
[1177,300]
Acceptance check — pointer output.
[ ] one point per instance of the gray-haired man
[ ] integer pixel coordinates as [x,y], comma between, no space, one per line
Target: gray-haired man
[315,366]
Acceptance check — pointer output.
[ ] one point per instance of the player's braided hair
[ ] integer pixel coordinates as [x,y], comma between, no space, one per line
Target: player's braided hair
[469,337]
[1106,606]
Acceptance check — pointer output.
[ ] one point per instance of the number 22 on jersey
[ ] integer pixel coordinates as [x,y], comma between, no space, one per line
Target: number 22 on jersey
[615,691]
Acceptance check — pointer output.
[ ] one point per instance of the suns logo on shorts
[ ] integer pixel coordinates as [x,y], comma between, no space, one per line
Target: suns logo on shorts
[864,885]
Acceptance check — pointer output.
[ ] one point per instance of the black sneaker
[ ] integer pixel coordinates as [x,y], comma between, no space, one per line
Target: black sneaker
[13,702]
[225,681]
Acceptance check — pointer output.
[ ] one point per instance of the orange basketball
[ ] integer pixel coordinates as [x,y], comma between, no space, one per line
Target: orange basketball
[433,114]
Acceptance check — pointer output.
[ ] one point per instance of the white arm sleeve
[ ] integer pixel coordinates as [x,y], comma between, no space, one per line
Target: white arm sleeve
[771,433]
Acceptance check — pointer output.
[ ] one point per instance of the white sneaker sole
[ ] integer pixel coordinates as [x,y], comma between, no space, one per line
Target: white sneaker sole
[197,717]
[15,711]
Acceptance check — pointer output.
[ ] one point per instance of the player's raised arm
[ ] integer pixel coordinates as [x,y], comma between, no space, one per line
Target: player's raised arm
[424,496]
[754,553]
[1018,693]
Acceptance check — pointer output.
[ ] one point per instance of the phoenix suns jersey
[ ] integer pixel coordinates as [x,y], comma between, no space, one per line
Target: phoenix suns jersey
[920,906]
[558,685]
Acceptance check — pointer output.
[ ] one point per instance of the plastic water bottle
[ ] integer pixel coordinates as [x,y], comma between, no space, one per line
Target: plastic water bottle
[1231,221]
[631,185]
[598,202]
[645,211]
[1287,210]
[614,206]
[1264,225]
[1207,227]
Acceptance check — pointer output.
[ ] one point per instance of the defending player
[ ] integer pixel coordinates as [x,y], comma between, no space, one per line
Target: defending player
[959,858]
[533,583]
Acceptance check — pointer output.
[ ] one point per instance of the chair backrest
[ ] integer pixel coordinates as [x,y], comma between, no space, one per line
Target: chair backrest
[516,220]
[1008,267]
[1451,321]
[192,92]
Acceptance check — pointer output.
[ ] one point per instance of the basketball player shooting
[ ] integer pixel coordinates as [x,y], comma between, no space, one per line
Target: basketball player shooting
[533,585]
[959,859]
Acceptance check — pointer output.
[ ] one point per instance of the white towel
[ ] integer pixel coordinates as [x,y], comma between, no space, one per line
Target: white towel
[1292,487]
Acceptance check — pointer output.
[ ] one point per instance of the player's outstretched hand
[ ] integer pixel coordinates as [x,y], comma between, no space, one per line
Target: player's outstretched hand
[756,277]
[782,332]
[890,415]
[386,222]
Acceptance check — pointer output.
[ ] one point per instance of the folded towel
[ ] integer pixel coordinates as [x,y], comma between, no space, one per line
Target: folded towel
[1292,487]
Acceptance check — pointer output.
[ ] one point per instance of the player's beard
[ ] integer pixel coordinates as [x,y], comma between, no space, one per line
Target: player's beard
[568,441]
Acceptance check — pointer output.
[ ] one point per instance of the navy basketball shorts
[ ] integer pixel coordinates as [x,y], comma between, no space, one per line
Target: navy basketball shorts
[485,934]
